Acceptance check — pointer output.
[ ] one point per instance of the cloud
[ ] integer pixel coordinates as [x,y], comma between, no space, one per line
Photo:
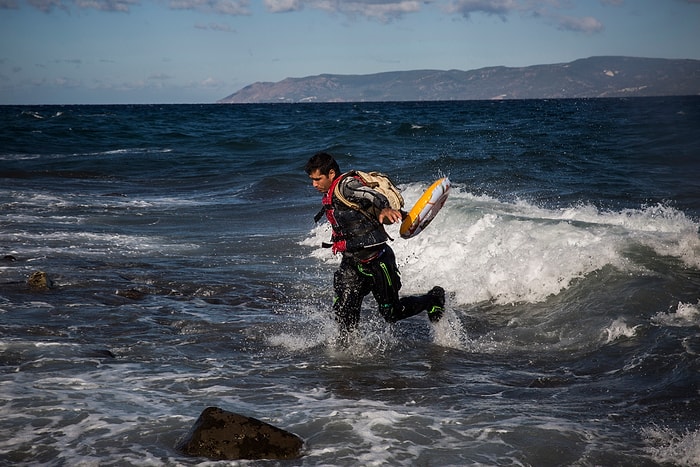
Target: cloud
[63,82]
[225,7]
[211,83]
[8,5]
[47,5]
[121,6]
[382,10]
[587,24]
[386,10]
[490,7]
[214,27]
[283,6]
[547,9]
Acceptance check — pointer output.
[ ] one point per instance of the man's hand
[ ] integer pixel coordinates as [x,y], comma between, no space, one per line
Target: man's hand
[389,216]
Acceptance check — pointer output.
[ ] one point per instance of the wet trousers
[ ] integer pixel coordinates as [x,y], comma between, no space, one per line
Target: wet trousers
[355,279]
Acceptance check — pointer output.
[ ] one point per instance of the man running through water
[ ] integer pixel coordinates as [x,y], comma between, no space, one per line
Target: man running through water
[368,264]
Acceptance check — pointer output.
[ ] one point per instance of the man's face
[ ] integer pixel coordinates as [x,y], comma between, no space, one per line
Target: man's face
[322,182]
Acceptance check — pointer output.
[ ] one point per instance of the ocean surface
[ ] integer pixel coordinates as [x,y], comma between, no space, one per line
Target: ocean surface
[187,272]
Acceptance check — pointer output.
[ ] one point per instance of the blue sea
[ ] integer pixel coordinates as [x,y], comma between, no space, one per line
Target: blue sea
[187,272]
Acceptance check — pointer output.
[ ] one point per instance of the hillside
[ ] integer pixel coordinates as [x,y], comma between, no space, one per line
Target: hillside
[590,77]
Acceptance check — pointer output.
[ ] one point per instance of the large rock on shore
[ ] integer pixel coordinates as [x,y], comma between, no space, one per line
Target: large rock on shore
[221,435]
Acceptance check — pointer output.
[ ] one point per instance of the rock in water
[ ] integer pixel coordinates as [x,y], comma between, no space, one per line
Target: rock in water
[39,280]
[218,434]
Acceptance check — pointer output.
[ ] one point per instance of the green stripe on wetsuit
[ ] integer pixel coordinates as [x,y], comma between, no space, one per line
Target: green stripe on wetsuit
[384,268]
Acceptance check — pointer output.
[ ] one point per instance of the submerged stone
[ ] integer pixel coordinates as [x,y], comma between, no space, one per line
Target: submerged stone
[133,294]
[39,280]
[218,435]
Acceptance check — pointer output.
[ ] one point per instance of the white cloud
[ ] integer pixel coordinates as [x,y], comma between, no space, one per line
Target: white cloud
[67,83]
[282,6]
[208,83]
[586,24]
[382,10]
[225,7]
[490,7]
[211,83]
[547,9]
[47,5]
[106,5]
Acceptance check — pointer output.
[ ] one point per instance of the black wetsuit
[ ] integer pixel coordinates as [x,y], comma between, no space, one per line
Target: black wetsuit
[368,263]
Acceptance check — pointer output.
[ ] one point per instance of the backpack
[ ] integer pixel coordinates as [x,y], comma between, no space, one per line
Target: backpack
[377,181]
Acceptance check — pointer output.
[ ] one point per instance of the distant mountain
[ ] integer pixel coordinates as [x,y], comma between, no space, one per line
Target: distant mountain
[589,77]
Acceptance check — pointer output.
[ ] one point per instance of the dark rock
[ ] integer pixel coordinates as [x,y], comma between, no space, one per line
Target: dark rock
[9,258]
[101,353]
[133,294]
[39,280]
[221,435]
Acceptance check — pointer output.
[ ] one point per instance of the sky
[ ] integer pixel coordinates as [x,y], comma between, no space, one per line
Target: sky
[200,51]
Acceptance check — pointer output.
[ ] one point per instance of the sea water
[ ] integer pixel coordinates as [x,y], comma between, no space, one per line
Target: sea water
[187,272]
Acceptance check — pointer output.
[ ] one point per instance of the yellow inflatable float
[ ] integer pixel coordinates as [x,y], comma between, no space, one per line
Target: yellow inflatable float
[426,208]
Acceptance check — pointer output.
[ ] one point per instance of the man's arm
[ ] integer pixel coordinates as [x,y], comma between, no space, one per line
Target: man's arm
[370,200]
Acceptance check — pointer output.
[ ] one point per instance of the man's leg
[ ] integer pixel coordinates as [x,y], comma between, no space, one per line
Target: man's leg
[348,287]
[433,302]
[386,283]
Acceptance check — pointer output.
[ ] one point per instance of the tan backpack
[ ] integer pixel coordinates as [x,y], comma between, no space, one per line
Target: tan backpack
[377,181]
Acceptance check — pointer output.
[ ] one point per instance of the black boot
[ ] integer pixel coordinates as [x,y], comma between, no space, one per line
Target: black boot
[437,297]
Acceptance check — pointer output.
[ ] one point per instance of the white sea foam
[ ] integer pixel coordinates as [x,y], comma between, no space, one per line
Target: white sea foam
[58,383]
[618,329]
[83,242]
[686,314]
[448,332]
[482,249]
[364,431]
[668,446]
[318,328]
[19,157]
[64,205]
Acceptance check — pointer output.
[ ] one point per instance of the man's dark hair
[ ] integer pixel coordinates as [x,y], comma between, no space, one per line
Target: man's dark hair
[322,161]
